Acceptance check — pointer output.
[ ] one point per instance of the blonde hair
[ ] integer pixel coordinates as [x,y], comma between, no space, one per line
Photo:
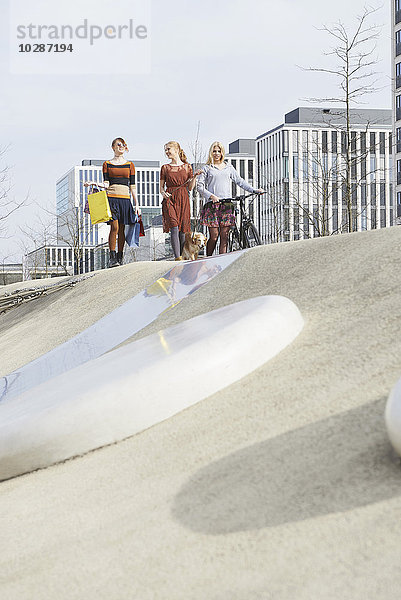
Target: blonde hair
[210,160]
[180,151]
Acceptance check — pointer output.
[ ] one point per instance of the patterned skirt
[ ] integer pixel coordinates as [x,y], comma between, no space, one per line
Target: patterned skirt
[214,214]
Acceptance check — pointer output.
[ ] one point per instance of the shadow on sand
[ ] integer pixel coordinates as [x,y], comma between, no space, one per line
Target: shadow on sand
[333,465]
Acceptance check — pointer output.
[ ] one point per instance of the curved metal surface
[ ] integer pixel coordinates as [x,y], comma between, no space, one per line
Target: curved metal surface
[116,327]
[142,383]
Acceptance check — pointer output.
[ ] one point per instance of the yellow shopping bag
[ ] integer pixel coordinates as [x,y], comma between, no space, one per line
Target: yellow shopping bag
[99,207]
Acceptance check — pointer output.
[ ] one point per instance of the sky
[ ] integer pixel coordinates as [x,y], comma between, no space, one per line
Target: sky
[234,66]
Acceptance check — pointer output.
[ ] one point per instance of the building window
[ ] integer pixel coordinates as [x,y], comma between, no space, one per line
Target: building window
[305,166]
[363,143]
[295,168]
[398,75]
[398,108]
[397,11]
[398,204]
[334,142]
[353,169]
[285,140]
[324,142]
[373,194]
[363,194]
[353,142]
[295,140]
[250,170]
[285,167]
[344,142]
[398,42]
[363,169]
[382,143]
[373,167]
[382,194]
[372,142]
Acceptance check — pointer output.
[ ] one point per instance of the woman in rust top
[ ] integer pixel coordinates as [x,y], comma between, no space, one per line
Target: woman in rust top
[119,178]
[119,182]
[176,181]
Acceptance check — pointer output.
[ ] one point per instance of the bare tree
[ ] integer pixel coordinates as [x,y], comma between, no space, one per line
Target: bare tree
[198,160]
[354,59]
[275,201]
[38,235]
[327,183]
[8,204]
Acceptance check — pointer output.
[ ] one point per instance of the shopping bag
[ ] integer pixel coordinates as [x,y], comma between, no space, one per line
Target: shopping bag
[132,235]
[92,191]
[141,228]
[99,207]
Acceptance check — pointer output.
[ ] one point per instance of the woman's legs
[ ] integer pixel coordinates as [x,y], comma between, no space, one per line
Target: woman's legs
[121,237]
[113,235]
[175,241]
[224,229]
[181,236]
[113,262]
[120,242]
[211,243]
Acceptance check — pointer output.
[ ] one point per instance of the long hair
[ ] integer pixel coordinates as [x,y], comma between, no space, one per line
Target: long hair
[180,151]
[210,160]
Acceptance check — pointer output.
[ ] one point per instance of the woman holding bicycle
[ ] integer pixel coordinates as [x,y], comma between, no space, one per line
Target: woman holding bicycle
[214,184]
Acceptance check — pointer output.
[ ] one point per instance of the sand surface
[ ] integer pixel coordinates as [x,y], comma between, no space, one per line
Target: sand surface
[282,486]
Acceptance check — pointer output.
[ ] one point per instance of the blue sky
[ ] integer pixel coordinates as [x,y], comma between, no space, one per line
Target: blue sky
[232,65]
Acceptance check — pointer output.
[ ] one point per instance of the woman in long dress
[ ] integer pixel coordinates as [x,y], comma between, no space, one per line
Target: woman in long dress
[176,181]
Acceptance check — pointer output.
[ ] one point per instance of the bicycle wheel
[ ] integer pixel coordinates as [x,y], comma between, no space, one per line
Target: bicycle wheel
[251,236]
[233,240]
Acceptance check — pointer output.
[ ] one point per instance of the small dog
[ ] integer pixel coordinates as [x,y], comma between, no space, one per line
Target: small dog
[193,243]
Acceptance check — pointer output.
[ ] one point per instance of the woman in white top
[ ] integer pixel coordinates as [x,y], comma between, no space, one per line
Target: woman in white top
[214,184]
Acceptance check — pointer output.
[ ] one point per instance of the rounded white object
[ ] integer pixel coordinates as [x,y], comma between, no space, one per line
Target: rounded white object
[142,383]
[392,417]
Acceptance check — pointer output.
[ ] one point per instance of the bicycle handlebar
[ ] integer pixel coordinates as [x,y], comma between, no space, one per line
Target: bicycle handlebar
[239,198]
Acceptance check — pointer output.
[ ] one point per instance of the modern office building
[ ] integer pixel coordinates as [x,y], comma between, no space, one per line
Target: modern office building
[396,95]
[301,164]
[73,224]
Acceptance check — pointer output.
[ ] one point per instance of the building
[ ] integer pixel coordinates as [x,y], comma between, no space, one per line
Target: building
[242,155]
[10,273]
[301,164]
[57,260]
[73,224]
[396,55]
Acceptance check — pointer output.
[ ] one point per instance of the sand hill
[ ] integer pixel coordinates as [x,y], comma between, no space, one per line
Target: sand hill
[281,486]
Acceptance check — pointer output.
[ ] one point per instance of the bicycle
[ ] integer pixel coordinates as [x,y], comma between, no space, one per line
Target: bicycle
[247,235]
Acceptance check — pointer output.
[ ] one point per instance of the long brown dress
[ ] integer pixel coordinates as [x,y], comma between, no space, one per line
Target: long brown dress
[176,211]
